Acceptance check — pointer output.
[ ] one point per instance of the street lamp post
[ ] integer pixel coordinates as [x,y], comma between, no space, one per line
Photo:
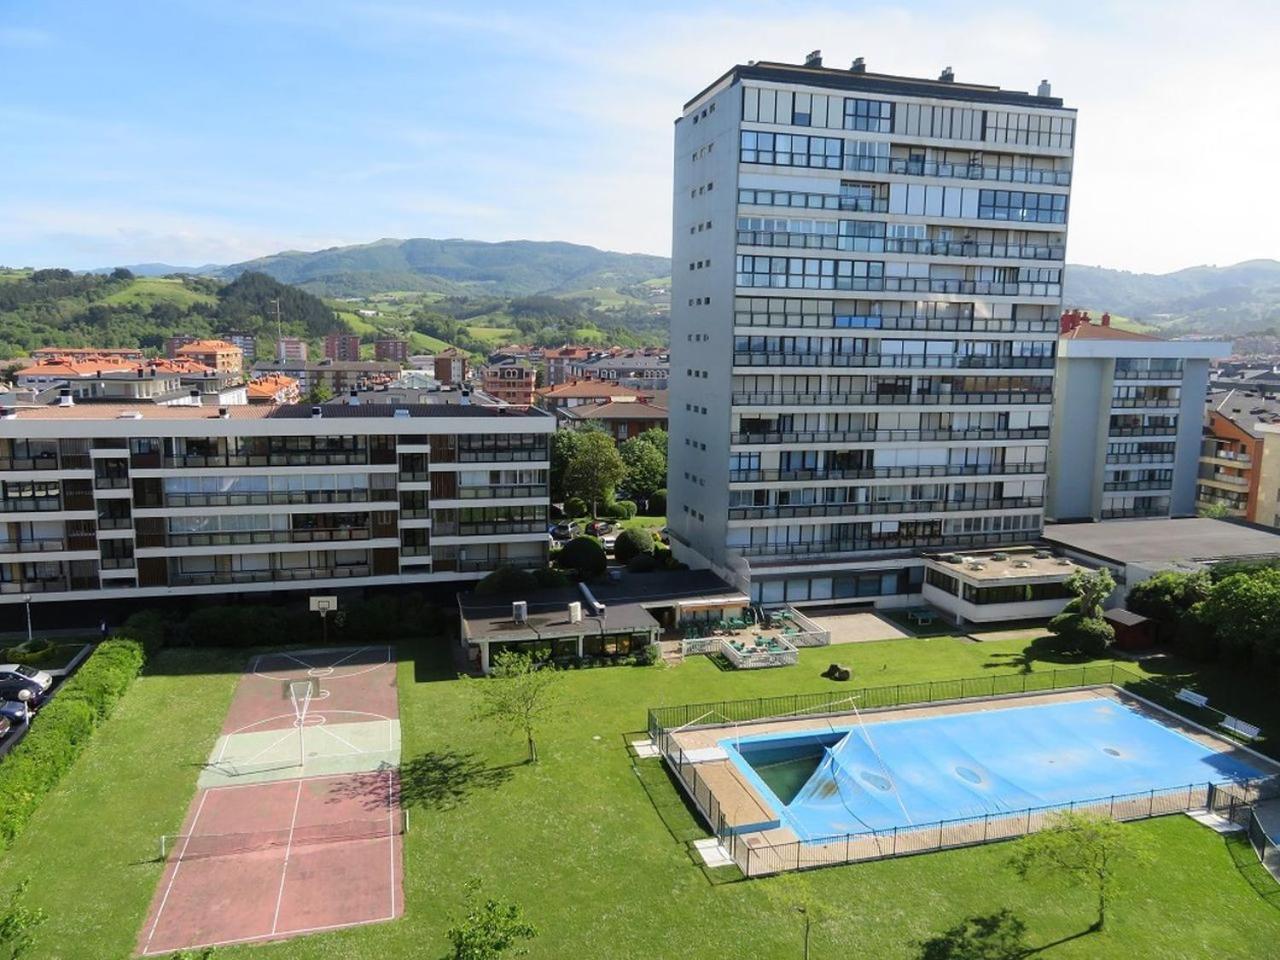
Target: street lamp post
[26,599]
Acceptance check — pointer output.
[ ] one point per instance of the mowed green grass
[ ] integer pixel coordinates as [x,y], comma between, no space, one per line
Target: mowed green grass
[592,846]
[151,290]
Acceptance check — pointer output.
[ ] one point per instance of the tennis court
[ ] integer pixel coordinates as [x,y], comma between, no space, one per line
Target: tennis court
[296,826]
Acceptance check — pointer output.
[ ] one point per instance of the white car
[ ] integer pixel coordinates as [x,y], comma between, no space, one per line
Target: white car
[19,682]
[608,540]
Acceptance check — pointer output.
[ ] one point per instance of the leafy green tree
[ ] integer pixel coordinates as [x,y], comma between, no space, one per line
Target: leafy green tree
[1082,849]
[319,393]
[1243,610]
[518,694]
[1169,598]
[564,445]
[19,923]
[995,936]
[595,469]
[489,928]
[646,465]
[1092,587]
[1080,627]
[122,273]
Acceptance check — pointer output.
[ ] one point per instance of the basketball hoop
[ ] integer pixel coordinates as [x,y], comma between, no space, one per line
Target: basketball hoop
[324,606]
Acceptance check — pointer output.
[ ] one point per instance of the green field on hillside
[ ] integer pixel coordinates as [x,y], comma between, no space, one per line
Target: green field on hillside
[146,291]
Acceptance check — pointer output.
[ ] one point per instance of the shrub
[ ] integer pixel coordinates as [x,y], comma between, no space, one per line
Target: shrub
[585,555]
[1077,633]
[506,580]
[546,578]
[65,725]
[642,563]
[626,509]
[575,507]
[632,543]
[30,653]
[149,628]
[658,504]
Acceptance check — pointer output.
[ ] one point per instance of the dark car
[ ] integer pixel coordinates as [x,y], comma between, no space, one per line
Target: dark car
[17,712]
[565,531]
[5,727]
[20,682]
[598,528]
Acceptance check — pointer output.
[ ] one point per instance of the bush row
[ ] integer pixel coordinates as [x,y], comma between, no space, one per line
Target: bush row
[62,729]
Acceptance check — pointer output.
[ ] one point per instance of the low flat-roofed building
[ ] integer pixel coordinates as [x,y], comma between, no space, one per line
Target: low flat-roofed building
[999,585]
[1138,549]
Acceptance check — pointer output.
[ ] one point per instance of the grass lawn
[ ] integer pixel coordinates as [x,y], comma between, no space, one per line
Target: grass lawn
[151,290]
[594,847]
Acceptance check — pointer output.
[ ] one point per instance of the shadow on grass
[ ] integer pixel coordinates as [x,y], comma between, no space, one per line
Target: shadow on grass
[436,780]
[1040,650]
[995,936]
[1251,869]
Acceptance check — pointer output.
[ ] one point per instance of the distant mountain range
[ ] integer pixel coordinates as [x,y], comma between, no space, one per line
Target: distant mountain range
[1244,297]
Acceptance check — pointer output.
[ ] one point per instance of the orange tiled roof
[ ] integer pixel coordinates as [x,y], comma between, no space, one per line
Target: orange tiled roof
[207,346]
[270,385]
[1094,331]
[590,389]
[76,368]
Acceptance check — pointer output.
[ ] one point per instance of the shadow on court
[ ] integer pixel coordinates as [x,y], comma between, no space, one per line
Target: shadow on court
[436,780]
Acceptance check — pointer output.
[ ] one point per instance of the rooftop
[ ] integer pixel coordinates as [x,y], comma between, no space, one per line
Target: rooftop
[1005,565]
[1245,409]
[206,346]
[1095,331]
[590,390]
[639,409]
[349,366]
[884,83]
[337,411]
[1165,541]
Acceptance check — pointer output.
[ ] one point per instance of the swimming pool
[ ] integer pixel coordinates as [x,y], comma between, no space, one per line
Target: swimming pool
[852,778]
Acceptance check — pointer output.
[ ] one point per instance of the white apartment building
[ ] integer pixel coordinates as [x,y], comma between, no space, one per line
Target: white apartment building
[1128,413]
[121,501]
[866,288]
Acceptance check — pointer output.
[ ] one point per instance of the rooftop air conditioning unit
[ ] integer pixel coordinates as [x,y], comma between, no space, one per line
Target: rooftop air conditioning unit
[401,412]
[129,415]
[1042,554]
[999,556]
[575,612]
[977,566]
[1064,562]
[1022,564]
[520,611]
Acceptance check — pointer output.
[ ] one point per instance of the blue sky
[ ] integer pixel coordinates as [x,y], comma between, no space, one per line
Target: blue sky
[194,132]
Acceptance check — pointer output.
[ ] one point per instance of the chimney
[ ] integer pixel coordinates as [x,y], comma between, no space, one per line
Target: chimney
[195,397]
[353,399]
[859,65]
[947,75]
[1106,319]
[8,413]
[316,413]
[814,59]
[224,413]
[464,398]
[1043,89]
[65,399]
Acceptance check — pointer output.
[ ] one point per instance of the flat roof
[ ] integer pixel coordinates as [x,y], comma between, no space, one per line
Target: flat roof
[1166,541]
[293,411]
[1015,564]
[488,619]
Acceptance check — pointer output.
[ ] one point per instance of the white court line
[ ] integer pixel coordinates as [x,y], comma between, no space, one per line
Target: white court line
[292,932]
[284,870]
[176,867]
[319,713]
[257,671]
[391,837]
[265,749]
[343,741]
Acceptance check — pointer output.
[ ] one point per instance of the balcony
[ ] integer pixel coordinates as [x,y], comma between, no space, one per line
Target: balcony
[820,548]
[879,509]
[1140,458]
[903,166]
[1147,374]
[519,455]
[268,499]
[1127,402]
[117,563]
[240,537]
[32,505]
[49,585]
[310,459]
[1235,461]
[889,399]
[487,563]
[1144,431]
[38,545]
[885,473]
[49,462]
[502,492]
[115,523]
[1129,513]
[920,323]
[890,436]
[893,361]
[1225,481]
[980,288]
[268,576]
[110,483]
[452,528]
[1116,486]
[930,248]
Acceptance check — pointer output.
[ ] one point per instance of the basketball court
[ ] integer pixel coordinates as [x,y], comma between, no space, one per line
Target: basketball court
[296,826]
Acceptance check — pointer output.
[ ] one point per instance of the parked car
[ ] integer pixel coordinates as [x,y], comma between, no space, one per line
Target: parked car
[18,682]
[608,540]
[5,727]
[665,535]
[599,528]
[17,712]
[565,531]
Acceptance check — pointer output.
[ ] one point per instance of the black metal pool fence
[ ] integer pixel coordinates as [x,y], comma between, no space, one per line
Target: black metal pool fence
[757,856]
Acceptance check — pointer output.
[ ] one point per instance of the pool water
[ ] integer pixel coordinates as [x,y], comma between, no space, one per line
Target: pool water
[895,773]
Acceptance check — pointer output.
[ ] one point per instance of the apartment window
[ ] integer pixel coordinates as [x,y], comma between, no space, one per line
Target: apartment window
[874,116]
[791,150]
[1022,206]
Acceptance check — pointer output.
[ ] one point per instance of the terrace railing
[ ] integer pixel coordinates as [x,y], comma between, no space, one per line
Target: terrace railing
[1231,799]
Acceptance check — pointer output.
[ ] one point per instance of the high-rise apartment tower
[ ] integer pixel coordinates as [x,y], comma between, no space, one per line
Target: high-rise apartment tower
[867,281]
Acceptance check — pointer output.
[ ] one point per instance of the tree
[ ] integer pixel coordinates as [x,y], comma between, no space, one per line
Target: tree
[996,936]
[1169,597]
[594,469]
[1081,848]
[489,928]
[121,273]
[791,893]
[18,924]
[1243,610]
[1092,587]
[518,694]
[646,464]
[319,393]
[631,543]
[564,444]
[584,554]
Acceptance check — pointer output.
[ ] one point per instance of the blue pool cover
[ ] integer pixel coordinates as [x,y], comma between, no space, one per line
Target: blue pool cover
[897,773]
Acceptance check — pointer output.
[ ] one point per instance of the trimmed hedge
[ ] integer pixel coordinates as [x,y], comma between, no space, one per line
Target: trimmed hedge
[62,729]
[632,543]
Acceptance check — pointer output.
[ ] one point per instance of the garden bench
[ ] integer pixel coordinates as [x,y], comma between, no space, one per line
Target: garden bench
[1191,697]
[1241,729]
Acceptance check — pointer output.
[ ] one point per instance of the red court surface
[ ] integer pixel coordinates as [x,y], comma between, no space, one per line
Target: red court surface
[300,854]
[362,680]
